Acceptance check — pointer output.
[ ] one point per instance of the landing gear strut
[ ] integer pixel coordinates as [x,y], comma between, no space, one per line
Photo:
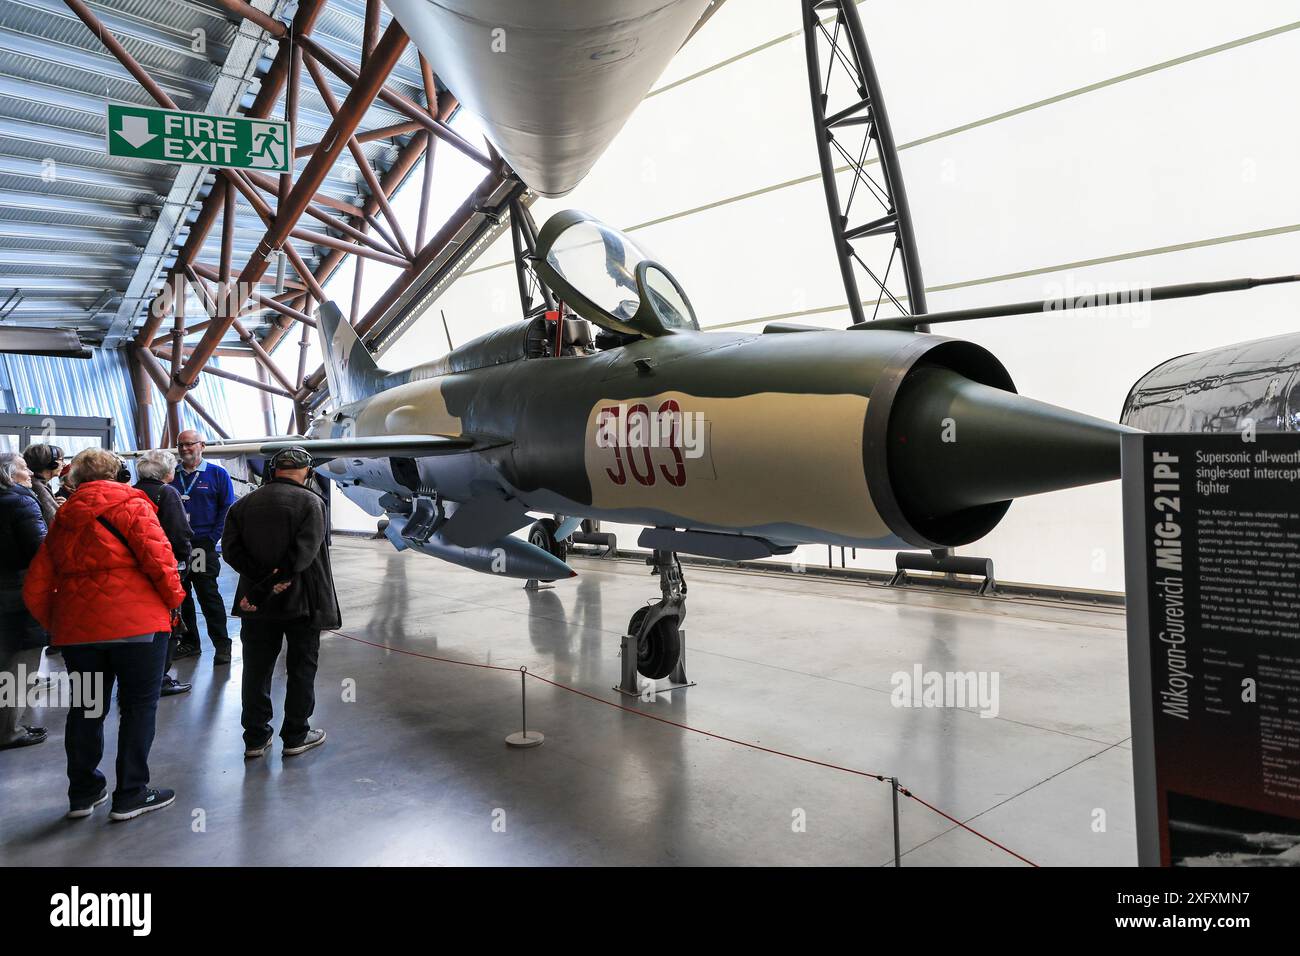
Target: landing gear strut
[655,645]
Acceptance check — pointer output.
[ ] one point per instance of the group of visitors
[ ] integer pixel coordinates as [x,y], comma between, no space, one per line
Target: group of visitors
[109,574]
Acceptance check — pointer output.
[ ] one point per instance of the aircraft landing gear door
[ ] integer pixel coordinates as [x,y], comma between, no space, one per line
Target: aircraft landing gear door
[654,648]
[609,280]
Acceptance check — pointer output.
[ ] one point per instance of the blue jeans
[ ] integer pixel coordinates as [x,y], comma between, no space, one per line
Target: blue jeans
[137,670]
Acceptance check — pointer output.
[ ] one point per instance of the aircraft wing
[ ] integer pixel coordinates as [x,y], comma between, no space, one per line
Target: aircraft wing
[377,446]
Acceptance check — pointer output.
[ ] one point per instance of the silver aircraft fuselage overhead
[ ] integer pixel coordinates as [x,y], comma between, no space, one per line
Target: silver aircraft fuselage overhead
[552,81]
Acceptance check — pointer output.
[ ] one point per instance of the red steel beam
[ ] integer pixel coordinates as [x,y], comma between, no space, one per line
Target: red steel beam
[348,73]
[150,363]
[370,135]
[354,107]
[249,12]
[392,179]
[291,115]
[211,369]
[359,157]
[426,187]
[370,31]
[458,220]
[269,302]
[272,84]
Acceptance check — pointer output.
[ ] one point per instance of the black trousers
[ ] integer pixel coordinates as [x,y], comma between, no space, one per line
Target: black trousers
[214,610]
[137,669]
[261,642]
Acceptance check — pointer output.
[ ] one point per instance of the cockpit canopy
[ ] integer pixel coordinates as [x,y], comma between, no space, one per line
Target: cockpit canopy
[608,279]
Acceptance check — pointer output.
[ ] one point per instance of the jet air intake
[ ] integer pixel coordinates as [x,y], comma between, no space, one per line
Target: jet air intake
[960,444]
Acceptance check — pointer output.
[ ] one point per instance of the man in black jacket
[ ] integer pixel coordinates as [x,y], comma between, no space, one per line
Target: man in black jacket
[276,539]
[155,470]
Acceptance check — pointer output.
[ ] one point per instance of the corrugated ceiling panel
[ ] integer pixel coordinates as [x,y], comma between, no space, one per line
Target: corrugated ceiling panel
[99,386]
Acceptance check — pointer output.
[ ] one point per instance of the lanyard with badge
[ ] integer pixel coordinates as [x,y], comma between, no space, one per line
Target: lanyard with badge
[188,486]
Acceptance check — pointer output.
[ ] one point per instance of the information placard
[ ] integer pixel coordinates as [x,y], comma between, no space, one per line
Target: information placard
[1212,573]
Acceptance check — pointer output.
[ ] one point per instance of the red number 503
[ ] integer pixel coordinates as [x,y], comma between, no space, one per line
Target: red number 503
[647,474]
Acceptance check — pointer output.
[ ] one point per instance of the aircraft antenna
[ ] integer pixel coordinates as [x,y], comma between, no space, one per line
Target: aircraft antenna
[446,330]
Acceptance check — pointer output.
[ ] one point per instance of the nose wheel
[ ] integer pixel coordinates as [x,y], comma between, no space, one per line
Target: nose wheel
[654,648]
[658,645]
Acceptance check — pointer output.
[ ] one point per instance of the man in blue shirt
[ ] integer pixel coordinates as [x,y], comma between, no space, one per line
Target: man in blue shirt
[207,494]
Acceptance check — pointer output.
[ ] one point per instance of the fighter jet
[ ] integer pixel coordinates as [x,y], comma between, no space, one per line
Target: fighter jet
[731,445]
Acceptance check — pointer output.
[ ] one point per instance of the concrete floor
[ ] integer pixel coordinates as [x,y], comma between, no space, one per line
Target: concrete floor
[415,770]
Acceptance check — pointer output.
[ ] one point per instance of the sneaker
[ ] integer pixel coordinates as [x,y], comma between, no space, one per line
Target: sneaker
[251,752]
[85,807]
[171,686]
[29,738]
[149,800]
[186,650]
[314,738]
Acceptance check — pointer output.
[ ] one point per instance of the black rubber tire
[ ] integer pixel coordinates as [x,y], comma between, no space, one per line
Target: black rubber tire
[542,534]
[634,625]
[658,651]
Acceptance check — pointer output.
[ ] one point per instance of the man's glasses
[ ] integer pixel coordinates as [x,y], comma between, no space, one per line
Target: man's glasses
[190,444]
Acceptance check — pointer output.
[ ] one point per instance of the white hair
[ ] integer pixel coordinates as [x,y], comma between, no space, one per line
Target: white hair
[10,462]
[157,464]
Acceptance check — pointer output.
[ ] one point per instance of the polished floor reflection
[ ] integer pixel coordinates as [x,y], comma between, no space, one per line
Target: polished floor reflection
[415,770]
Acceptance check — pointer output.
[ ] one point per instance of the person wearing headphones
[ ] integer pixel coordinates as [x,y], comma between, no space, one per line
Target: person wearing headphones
[277,539]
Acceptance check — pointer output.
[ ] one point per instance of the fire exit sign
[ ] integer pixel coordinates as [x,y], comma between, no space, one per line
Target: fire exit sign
[173,136]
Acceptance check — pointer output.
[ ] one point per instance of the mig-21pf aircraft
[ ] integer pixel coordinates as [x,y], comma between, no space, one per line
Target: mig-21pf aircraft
[725,444]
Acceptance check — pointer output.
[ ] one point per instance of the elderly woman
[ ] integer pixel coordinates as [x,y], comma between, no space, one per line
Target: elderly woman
[104,584]
[45,461]
[21,531]
[156,469]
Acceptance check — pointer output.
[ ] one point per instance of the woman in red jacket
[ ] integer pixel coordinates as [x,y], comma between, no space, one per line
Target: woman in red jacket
[104,584]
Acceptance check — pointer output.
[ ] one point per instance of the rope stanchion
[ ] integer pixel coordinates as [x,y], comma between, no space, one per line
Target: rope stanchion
[524,739]
[893,794]
[882,778]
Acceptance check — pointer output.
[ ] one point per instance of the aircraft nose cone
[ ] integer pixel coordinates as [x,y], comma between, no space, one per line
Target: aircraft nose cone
[960,451]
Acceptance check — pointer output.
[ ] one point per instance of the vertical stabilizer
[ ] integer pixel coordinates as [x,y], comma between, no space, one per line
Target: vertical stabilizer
[349,366]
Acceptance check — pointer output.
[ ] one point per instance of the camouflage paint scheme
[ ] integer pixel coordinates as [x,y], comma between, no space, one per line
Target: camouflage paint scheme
[791,462]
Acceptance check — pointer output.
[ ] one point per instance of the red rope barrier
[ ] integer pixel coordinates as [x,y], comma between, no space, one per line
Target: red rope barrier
[695,730]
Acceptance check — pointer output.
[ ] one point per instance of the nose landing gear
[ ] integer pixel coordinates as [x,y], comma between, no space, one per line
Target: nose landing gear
[654,647]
